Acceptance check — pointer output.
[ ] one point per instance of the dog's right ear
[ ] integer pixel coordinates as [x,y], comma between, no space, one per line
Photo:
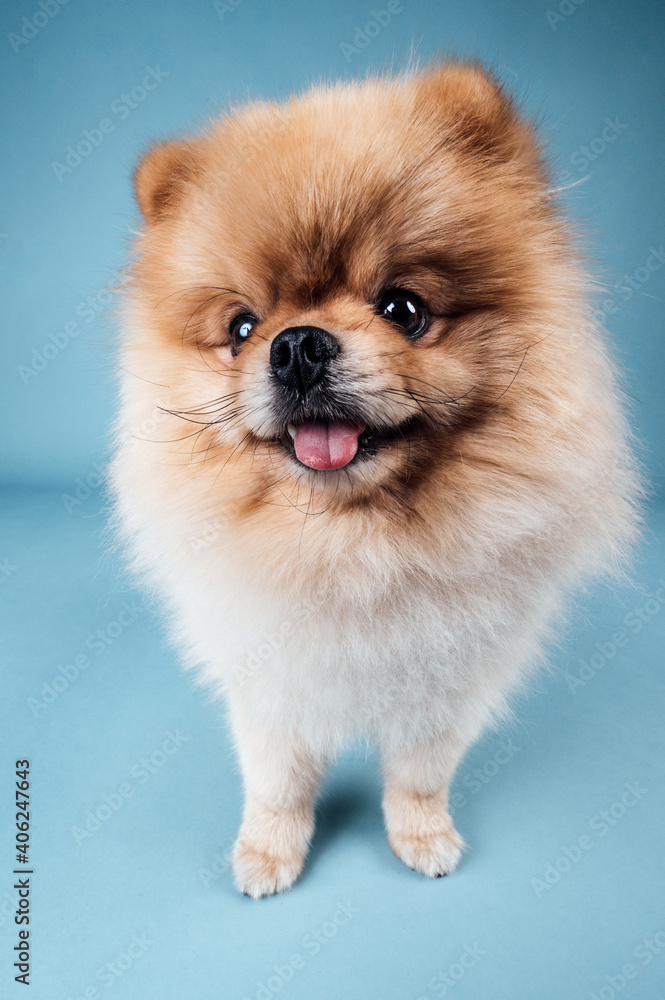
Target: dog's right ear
[161,177]
[474,111]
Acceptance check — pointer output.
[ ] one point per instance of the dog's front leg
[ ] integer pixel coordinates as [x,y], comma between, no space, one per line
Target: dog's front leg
[415,805]
[280,779]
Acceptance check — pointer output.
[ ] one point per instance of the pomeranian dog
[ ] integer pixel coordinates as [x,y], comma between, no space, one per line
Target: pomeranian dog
[370,439]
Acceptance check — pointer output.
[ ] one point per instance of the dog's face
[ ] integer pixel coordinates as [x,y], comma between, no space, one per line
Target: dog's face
[341,291]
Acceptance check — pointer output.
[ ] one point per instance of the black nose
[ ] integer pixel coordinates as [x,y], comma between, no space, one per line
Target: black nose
[298,356]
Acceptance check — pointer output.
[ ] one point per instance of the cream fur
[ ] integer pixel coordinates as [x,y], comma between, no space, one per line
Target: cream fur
[408,630]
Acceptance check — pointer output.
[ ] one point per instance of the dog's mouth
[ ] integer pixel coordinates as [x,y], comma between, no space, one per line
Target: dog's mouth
[327,445]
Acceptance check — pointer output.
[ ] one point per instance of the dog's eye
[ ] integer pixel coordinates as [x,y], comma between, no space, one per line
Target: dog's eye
[406,310]
[240,330]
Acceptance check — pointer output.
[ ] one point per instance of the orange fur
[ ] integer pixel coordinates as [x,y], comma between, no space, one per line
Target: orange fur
[434,566]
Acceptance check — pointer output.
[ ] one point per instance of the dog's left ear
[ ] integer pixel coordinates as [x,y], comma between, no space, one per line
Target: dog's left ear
[161,177]
[473,111]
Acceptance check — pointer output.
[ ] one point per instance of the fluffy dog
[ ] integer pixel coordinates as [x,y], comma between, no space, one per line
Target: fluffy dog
[370,438]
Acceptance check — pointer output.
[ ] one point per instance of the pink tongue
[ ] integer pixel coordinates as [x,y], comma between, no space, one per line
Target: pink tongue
[326,446]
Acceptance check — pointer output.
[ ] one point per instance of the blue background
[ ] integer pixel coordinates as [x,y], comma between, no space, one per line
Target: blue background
[155,867]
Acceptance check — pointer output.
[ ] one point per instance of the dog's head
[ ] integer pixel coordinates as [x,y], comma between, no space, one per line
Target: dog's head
[335,297]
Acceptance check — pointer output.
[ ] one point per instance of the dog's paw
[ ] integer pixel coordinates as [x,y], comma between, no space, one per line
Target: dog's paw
[271,848]
[421,832]
[432,854]
[257,873]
